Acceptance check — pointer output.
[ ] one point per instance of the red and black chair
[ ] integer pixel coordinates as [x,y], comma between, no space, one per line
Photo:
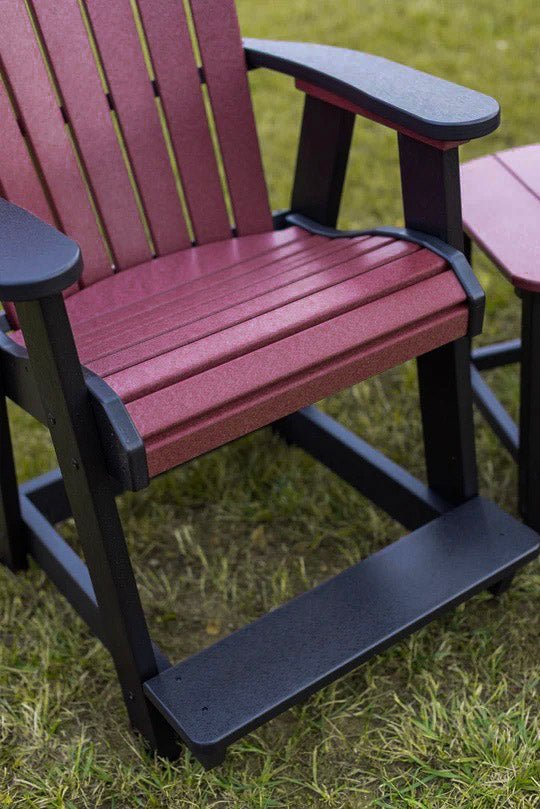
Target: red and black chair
[200,317]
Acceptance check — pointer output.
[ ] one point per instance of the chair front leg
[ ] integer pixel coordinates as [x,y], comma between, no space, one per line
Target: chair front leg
[529,422]
[432,204]
[57,371]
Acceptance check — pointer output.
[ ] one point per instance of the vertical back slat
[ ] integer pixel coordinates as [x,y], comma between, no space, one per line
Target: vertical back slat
[71,57]
[222,54]
[133,96]
[179,87]
[18,177]
[43,122]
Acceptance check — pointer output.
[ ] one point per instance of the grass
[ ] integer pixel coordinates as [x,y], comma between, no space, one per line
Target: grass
[446,719]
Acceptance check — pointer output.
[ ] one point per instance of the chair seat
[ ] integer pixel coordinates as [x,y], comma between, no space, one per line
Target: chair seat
[207,344]
[501,211]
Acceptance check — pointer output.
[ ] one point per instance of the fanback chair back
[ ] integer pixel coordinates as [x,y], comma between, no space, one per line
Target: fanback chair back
[129,125]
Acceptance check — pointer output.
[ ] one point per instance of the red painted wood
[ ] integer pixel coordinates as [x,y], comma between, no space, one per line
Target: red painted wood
[250,327]
[216,292]
[322,343]
[180,91]
[501,212]
[336,101]
[107,301]
[133,96]
[43,122]
[167,450]
[188,321]
[18,179]
[255,389]
[524,163]
[70,54]
[224,65]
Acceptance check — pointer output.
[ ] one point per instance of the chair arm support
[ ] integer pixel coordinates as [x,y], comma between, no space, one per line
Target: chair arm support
[36,260]
[405,98]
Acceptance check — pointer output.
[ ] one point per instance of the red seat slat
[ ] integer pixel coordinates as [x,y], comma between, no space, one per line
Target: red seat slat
[191,302]
[45,127]
[69,51]
[248,328]
[127,77]
[179,87]
[225,71]
[166,450]
[107,301]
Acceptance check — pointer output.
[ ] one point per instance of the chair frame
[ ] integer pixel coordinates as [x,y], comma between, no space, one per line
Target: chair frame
[48,381]
[521,441]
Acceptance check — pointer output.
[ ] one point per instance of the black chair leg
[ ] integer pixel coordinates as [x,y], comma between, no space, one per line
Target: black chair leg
[529,441]
[74,432]
[447,421]
[12,533]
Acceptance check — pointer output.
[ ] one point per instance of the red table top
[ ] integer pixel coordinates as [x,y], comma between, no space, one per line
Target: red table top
[501,211]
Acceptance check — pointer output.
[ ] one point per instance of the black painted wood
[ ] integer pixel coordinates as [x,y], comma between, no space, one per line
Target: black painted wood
[230,688]
[429,106]
[432,204]
[496,354]
[12,533]
[323,152]
[529,421]
[404,497]
[494,413]
[35,259]
[59,378]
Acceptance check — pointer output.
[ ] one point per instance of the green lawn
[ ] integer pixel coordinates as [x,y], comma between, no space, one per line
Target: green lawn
[448,718]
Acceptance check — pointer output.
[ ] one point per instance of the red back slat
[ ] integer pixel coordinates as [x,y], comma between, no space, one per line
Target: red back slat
[18,178]
[43,122]
[224,66]
[121,53]
[179,86]
[71,57]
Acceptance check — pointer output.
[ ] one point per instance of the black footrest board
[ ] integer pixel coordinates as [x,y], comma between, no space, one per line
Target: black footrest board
[228,689]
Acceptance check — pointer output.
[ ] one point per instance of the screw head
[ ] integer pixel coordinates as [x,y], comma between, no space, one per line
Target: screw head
[51,421]
[75,463]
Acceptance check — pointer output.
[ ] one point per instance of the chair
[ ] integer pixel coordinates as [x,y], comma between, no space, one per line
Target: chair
[501,205]
[200,317]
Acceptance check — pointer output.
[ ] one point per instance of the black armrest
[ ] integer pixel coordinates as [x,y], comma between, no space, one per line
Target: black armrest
[36,260]
[426,105]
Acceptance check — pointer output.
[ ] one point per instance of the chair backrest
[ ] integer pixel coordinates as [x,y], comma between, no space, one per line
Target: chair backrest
[128,124]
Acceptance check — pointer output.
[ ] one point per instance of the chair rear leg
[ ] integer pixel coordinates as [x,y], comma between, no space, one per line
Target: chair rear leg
[529,422]
[12,536]
[56,368]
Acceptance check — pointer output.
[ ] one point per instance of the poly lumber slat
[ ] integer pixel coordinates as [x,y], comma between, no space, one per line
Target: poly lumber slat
[127,77]
[502,216]
[179,87]
[196,322]
[211,296]
[18,178]
[224,65]
[179,444]
[74,66]
[524,162]
[253,325]
[44,124]
[323,343]
[258,671]
[113,295]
